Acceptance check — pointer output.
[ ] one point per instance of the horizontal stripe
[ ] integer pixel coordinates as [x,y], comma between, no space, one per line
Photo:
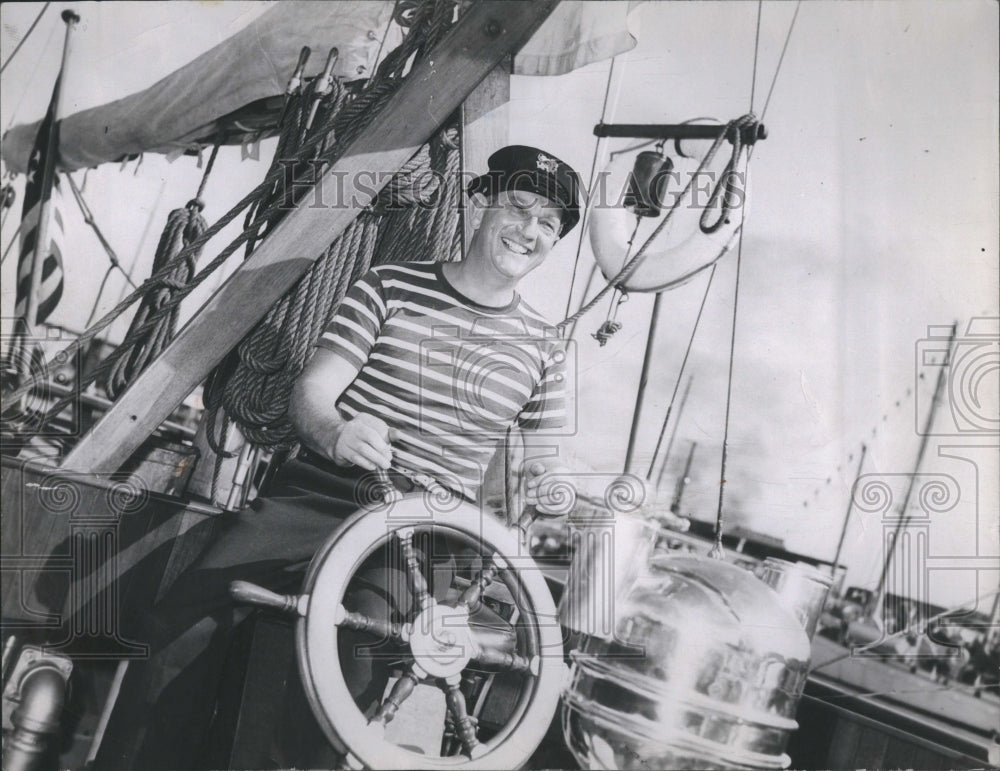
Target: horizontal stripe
[350,352]
[450,377]
[447,386]
[423,419]
[457,372]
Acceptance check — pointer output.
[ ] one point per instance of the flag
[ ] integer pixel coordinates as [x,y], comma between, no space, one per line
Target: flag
[41,180]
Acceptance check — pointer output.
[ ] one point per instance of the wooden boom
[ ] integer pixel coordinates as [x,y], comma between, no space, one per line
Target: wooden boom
[486,33]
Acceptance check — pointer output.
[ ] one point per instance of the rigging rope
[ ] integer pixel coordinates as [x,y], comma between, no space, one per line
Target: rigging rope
[345,125]
[727,188]
[155,321]
[590,188]
[184,226]
[27,34]
[680,376]
[88,218]
[30,82]
[746,121]
[7,198]
[781,59]
[415,217]
[611,324]
[717,550]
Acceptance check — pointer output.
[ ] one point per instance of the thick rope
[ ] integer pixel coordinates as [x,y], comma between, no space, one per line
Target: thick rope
[157,315]
[344,126]
[414,217]
[726,188]
[184,226]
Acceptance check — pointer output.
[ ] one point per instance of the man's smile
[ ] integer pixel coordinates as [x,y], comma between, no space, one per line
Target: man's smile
[515,247]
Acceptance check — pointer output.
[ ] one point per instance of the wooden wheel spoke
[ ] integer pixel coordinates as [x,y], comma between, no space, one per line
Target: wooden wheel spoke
[465,726]
[471,596]
[514,662]
[400,692]
[377,627]
[418,584]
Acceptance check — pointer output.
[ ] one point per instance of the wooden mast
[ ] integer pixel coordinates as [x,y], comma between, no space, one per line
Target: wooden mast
[486,33]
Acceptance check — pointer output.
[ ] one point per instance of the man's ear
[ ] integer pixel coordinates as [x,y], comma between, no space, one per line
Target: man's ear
[478,204]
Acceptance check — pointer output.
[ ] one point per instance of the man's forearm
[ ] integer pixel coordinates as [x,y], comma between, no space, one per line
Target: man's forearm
[318,429]
[312,404]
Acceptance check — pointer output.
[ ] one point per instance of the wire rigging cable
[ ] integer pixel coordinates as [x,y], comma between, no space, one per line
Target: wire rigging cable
[717,550]
[781,59]
[345,126]
[680,374]
[25,38]
[590,188]
[30,81]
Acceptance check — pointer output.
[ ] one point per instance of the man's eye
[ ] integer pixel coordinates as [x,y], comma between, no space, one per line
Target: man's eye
[549,226]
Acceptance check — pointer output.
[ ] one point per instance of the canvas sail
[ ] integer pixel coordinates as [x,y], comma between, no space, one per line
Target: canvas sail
[233,90]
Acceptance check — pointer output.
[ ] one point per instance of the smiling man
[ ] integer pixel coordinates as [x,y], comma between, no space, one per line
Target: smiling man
[430,363]
[420,373]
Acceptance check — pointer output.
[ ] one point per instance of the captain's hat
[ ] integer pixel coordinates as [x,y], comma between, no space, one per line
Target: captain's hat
[519,167]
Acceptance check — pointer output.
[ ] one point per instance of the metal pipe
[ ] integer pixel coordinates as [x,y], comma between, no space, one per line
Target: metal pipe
[36,719]
[749,134]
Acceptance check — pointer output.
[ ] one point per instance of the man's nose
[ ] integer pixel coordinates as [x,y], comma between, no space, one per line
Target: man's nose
[529,228]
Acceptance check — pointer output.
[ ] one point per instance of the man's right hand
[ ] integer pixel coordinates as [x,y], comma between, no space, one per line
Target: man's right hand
[363,441]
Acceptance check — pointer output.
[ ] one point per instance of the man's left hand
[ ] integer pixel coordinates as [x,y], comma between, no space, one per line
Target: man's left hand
[549,487]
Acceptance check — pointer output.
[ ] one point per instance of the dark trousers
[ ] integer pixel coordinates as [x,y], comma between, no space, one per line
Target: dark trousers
[166,703]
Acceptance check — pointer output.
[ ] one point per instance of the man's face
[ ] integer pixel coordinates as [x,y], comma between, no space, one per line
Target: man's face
[515,232]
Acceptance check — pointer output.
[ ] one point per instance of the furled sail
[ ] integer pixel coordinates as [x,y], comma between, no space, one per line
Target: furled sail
[232,92]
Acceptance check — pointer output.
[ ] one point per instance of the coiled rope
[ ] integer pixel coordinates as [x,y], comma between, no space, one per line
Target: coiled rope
[430,23]
[256,382]
[184,227]
[155,322]
[415,217]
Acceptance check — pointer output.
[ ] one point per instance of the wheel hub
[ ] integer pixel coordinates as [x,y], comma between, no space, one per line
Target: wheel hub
[440,640]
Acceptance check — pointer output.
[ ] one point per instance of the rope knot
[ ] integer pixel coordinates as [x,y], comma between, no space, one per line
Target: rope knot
[605,331]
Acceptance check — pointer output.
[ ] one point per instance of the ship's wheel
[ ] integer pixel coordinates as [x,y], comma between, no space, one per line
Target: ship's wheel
[440,639]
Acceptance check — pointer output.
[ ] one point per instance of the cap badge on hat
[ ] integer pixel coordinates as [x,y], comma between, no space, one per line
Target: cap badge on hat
[547,164]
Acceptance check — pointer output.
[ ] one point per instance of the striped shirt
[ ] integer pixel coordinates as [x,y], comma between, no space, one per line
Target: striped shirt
[448,374]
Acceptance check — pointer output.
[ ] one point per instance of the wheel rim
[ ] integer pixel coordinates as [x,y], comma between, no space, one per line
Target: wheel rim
[440,643]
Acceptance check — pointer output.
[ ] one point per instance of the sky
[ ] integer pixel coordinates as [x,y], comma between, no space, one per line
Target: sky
[872,218]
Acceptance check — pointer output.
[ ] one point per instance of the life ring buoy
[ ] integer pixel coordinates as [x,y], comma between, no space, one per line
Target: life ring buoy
[681,250]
